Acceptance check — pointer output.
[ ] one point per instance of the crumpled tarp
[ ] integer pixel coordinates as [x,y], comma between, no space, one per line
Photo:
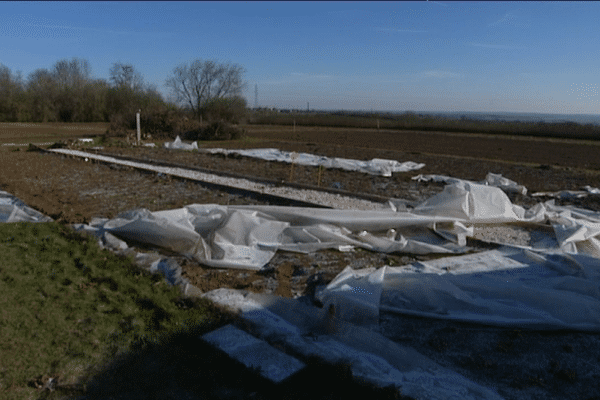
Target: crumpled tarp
[179,145]
[523,286]
[376,166]
[14,210]
[248,236]
[491,179]
[508,287]
[552,284]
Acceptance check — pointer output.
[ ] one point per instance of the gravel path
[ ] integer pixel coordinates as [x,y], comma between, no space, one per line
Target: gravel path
[311,196]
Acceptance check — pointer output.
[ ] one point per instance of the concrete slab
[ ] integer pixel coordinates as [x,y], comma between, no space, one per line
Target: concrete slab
[254,353]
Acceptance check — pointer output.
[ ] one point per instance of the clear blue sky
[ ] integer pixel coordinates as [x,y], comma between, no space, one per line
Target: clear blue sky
[424,56]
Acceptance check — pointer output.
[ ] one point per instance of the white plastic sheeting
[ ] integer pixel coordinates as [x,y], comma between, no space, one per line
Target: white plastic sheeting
[14,210]
[376,166]
[248,236]
[491,179]
[179,145]
[511,287]
[554,283]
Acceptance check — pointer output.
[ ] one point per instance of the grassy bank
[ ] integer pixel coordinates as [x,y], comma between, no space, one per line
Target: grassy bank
[78,322]
[68,307]
[418,122]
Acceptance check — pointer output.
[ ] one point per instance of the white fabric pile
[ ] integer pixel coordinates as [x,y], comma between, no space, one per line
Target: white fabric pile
[179,145]
[491,179]
[520,285]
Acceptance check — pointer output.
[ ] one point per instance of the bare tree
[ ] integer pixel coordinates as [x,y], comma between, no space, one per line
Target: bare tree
[198,82]
[72,74]
[125,76]
[71,77]
[42,90]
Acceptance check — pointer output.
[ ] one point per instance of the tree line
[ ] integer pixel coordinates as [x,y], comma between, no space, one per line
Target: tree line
[67,92]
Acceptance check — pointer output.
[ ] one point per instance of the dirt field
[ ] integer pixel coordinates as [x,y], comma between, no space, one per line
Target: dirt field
[76,191]
[20,132]
[527,150]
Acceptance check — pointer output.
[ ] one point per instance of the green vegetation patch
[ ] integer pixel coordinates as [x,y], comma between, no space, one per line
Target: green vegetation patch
[67,306]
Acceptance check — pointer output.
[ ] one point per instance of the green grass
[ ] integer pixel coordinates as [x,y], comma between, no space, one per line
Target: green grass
[68,307]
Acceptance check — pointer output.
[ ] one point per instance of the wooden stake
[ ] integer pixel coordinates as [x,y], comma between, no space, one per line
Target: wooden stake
[293,156]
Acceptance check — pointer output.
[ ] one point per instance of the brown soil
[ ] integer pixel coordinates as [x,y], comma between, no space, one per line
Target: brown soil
[74,191]
[529,150]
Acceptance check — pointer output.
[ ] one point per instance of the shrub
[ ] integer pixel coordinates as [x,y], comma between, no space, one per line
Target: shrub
[215,131]
[221,130]
[160,123]
[228,109]
[118,126]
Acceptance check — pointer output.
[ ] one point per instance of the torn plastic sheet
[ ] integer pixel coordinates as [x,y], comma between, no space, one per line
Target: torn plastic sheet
[376,166]
[476,203]
[507,287]
[13,209]
[491,179]
[179,145]
[247,237]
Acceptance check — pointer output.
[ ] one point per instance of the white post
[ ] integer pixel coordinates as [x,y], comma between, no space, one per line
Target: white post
[137,120]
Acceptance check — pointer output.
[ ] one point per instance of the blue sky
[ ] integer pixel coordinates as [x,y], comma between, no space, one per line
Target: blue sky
[390,56]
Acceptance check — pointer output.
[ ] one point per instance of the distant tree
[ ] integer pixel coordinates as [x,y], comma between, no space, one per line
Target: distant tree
[12,101]
[42,91]
[71,77]
[195,84]
[125,76]
[128,94]
[72,74]
[94,107]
